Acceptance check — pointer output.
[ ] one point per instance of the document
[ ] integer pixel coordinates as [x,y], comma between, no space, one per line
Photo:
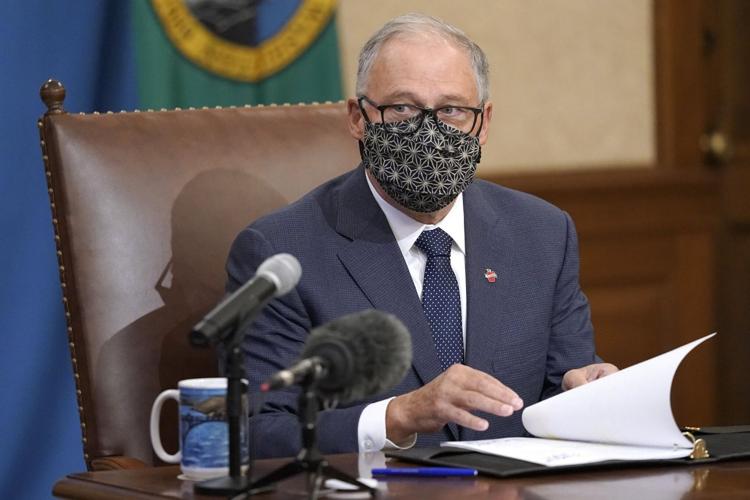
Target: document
[624,416]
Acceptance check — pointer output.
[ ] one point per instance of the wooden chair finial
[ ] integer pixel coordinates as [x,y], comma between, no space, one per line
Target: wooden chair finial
[53,95]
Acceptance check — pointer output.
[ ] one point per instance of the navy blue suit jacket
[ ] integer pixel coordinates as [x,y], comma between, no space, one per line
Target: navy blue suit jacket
[527,328]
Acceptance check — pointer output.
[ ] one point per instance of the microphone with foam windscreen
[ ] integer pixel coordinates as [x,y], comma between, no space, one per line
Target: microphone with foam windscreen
[276,276]
[352,357]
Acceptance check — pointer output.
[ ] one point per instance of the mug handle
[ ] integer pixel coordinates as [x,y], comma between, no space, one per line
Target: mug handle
[156,434]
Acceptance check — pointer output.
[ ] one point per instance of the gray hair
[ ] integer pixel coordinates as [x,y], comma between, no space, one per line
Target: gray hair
[419,24]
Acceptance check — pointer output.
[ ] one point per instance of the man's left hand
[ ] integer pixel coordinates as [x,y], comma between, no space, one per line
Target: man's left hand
[579,376]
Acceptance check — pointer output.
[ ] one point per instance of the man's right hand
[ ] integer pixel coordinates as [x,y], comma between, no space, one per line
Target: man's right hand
[451,397]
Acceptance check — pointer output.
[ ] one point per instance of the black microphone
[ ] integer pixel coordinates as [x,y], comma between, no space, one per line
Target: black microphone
[351,358]
[276,276]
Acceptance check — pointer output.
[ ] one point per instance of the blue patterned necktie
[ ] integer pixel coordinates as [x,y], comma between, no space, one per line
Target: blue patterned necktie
[440,297]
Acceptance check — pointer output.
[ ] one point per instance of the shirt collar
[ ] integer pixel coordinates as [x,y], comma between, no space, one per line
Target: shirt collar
[407,230]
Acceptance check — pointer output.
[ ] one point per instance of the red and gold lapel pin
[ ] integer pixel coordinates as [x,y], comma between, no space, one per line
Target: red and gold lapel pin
[490,275]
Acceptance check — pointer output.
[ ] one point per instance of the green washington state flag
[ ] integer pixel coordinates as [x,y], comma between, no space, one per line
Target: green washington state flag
[220,53]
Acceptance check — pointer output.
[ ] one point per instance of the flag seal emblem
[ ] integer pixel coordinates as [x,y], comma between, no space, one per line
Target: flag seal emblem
[206,33]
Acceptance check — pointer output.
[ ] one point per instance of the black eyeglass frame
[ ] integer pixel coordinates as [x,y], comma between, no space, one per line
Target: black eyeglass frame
[423,112]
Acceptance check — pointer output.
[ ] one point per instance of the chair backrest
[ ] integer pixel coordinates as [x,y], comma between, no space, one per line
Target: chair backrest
[145,206]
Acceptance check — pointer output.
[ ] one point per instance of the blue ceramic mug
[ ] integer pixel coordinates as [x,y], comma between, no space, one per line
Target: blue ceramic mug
[204,433]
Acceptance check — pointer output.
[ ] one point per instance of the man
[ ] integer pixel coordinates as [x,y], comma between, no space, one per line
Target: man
[485,278]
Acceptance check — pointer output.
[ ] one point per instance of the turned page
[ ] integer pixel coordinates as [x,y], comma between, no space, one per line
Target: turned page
[624,416]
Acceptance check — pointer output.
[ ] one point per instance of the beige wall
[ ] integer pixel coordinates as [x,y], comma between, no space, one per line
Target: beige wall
[571,80]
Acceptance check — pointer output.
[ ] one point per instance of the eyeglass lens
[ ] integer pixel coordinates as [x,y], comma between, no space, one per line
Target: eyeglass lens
[451,120]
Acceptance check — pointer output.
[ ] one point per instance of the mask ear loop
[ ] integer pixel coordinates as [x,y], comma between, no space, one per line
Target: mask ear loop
[362,153]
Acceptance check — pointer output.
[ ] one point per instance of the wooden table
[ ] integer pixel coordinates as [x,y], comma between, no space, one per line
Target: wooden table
[720,480]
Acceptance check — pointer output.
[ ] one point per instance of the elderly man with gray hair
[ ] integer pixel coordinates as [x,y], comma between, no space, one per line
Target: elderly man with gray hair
[485,278]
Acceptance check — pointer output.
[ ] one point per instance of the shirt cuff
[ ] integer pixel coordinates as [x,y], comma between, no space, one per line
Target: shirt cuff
[371,433]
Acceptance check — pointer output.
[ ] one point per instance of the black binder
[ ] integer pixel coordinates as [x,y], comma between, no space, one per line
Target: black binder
[718,444]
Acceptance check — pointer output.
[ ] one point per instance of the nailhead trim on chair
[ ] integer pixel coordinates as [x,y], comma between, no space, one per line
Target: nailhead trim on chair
[191,108]
[63,282]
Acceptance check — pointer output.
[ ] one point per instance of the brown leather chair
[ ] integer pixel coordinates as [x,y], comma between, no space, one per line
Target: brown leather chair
[145,206]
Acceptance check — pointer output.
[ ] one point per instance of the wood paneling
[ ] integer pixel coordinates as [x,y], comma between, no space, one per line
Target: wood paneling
[735,319]
[732,110]
[703,91]
[681,40]
[647,244]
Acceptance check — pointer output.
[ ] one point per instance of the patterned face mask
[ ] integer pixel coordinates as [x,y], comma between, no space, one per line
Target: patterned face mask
[422,171]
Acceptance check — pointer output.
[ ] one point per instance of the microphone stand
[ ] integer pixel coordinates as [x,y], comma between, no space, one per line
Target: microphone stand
[236,482]
[309,460]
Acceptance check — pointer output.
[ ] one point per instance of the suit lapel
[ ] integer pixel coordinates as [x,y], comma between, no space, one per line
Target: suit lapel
[487,250]
[374,261]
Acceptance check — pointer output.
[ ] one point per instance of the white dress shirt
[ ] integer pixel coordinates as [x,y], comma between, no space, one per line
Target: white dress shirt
[371,432]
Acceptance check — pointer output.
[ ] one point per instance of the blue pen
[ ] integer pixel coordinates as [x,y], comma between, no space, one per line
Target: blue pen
[425,471]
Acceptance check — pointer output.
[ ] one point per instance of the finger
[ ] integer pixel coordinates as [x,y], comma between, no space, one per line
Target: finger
[471,401]
[574,378]
[466,419]
[600,370]
[594,373]
[492,388]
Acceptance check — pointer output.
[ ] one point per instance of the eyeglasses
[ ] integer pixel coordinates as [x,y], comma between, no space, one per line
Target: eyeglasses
[407,119]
